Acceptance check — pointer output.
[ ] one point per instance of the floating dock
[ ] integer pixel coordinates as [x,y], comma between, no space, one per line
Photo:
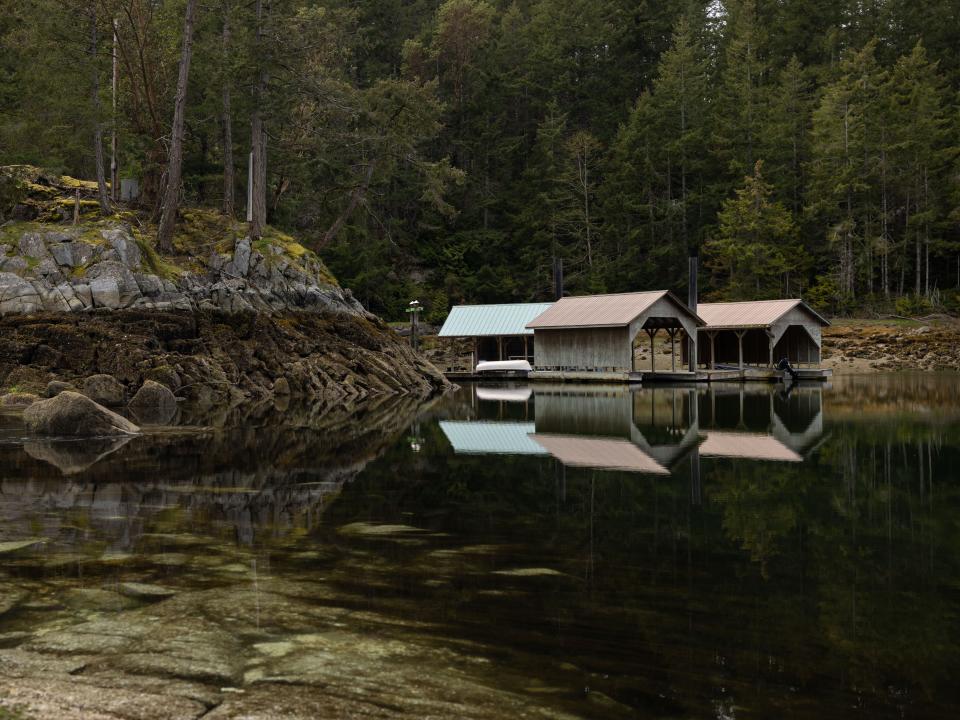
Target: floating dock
[648,378]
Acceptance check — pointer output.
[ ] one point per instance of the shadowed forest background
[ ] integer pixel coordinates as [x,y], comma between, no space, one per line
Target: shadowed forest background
[448,151]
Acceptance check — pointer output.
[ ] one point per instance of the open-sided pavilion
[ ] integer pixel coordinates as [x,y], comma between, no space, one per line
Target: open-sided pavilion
[498,332]
[759,333]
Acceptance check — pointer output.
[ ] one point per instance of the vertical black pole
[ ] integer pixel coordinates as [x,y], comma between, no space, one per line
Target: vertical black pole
[692,303]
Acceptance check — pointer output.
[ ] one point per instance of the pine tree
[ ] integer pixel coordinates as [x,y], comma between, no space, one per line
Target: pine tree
[755,245]
[846,160]
[919,154]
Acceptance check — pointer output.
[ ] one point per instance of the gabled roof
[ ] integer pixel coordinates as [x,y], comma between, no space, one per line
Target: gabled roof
[491,320]
[600,453]
[500,438]
[753,446]
[753,313]
[615,310]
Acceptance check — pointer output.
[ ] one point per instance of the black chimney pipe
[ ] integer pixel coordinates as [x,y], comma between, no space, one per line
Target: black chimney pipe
[692,304]
[557,278]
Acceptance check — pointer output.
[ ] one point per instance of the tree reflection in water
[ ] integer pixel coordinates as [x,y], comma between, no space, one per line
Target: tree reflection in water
[614,552]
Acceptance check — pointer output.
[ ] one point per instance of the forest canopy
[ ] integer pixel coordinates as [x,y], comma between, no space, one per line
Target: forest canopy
[451,151]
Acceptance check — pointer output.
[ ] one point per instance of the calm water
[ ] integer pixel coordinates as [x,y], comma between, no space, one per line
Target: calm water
[551,550]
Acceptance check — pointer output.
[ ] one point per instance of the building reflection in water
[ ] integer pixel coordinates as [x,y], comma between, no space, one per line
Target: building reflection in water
[650,431]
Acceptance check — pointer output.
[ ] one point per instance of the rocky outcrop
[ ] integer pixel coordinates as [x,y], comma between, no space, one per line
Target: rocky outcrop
[223,318]
[71,413]
[105,266]
[216,357]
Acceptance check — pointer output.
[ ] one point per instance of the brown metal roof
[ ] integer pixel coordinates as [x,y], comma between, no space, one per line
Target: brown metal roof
[747,445]
[753,313]
[601,453]
[614,310]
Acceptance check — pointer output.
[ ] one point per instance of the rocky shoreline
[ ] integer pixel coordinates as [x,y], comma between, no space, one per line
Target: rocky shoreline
[215,357]
[225,319]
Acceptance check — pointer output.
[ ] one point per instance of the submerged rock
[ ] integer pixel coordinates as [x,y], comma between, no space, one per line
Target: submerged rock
[10,598]
[7,548]
[144,591]
[71,413]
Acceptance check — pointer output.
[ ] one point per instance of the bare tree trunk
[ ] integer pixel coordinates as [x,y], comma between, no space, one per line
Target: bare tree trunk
[102,194]
[114,163]
[171,202]
[355,199]
[258,209]
[228,177]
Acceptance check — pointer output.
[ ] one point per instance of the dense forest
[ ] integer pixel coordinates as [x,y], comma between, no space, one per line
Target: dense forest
[449,151]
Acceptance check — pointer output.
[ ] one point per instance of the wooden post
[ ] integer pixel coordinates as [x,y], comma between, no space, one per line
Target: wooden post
[740,334]
[652,332]
[76,207]
[673,357]
[770,347]
[526,353]
[500,347]
[712,334]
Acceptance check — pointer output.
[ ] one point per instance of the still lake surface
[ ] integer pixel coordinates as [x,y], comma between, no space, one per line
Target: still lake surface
[556,550]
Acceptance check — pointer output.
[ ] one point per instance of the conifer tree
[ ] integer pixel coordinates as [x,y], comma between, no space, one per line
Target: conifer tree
[754,248]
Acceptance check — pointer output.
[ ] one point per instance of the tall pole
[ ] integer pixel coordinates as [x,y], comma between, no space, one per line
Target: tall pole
[692,304]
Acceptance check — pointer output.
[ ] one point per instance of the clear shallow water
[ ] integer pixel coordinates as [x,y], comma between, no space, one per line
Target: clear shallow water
[555,550]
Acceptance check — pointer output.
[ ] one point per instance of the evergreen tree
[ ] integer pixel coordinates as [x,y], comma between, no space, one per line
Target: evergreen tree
[755,246]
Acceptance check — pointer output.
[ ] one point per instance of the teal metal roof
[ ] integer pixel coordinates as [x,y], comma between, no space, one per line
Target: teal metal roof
[491,320]
[500,438]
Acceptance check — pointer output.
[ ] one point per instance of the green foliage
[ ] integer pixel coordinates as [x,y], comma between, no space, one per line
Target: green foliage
[755,247]
[459,147]
[912,306]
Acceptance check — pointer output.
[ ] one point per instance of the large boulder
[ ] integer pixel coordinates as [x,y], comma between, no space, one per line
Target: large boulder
[104,389]
[154,403]
[71,413]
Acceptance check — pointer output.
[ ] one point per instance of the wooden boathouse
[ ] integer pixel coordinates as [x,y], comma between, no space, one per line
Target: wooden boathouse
[759,334]
[497,332]
[593,337]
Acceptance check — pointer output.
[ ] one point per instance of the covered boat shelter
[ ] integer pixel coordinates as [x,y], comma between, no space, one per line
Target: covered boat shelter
[596,334]
[759,334]
[498,332]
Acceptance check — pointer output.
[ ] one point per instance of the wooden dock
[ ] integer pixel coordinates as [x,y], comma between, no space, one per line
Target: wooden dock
[751,374]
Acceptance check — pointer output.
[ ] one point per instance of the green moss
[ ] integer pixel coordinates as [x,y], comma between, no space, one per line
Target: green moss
[158,265]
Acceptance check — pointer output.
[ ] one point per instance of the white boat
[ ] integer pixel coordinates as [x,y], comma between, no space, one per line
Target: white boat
[503,366]
[504,394]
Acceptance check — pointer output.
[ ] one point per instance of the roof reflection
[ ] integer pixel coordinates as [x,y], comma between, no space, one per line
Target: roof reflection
[643,430]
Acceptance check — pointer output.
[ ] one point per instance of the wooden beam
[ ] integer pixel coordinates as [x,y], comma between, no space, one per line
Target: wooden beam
[740,334]
[712,334]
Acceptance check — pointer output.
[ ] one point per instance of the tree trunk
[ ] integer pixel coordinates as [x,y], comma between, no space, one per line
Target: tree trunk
[228,177]
[171,202]
[102,193]
[355,199]
[258,191]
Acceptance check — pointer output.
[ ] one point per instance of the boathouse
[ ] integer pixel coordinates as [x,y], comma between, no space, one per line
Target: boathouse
[597,334]
[497,332]
[759,333]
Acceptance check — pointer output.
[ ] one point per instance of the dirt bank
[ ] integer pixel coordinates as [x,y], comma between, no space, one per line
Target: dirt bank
[851,345]
[214,357]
